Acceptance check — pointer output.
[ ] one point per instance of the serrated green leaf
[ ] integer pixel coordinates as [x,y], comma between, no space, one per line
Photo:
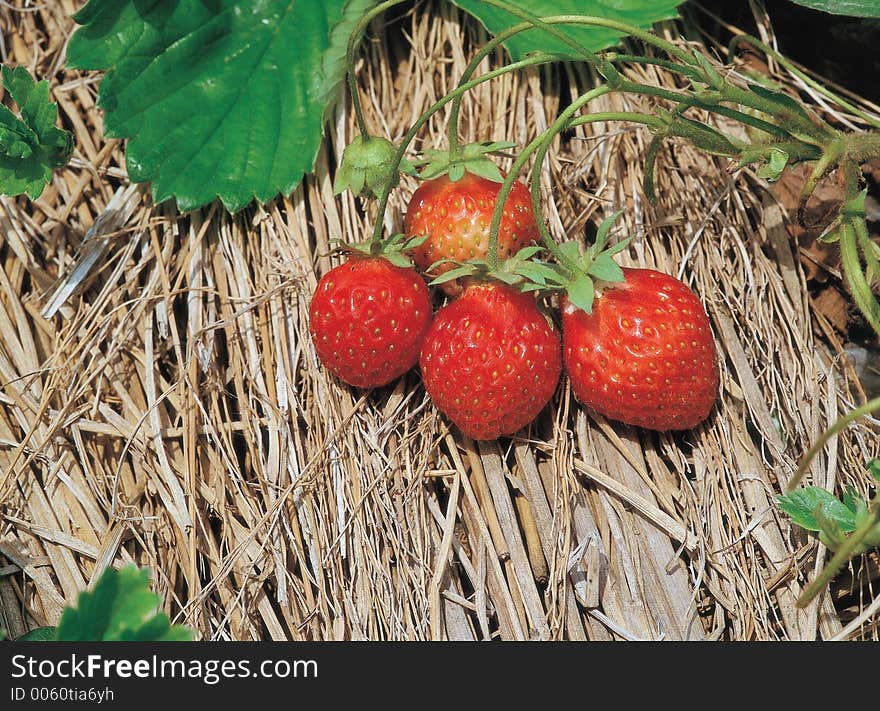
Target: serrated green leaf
[641,13]
[801,506]
[120,606]
[218,99]
[30,146]
[852,8]
[581,293]
[39,634]
[606,269]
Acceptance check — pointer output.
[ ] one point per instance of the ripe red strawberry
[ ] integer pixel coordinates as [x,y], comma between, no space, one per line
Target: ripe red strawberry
[368,319]
[645,355]
[491,360]
[456,217]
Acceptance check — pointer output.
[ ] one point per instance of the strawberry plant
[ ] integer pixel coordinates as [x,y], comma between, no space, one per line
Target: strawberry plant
[182,82]
[30,145]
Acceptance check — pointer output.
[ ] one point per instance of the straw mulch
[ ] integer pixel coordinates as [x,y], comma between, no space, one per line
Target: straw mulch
[160,401]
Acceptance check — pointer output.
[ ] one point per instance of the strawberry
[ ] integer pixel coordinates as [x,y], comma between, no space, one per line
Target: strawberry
[491,360]
[456,216]
[645,355]
[368,319]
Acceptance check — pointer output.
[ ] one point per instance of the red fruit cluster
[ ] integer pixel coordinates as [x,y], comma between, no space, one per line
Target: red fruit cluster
[491,360]
[645,355]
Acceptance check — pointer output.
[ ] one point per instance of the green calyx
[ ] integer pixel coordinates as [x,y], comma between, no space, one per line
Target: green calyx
[395,249]
[471,158]
[578,274]
[520,271]
[367,165]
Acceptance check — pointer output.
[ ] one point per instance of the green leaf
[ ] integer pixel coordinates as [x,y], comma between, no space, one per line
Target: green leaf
[485,168]
[537,272]
[641,13]
[874,468]
[39,634]
[453,274]
[218,98]
[830,531]
[853,8]
[801,506]
[853,501]
[30,146]
[604,229]
[772,169]
[606,269]
[571,250]
[120,606]
[581,292]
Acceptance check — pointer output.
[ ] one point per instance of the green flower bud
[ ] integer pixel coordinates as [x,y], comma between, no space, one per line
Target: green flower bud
[366,165]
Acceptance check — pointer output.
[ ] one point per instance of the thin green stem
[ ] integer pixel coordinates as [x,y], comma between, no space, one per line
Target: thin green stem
[841,424]
[808,80]
[689,72]
[549,23]
[519,163]
[424,118]
[545,143]
[350,52]
[546,23]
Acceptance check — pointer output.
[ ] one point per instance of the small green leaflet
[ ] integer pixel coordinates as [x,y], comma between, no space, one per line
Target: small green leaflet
[853,8]
[606,269]
[772,169]
[30,146]
[225,98]
[801,506]
[641,13]
[581,293]
[120,607]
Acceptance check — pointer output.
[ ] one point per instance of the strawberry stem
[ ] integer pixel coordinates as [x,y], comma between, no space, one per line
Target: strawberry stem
[350,57]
